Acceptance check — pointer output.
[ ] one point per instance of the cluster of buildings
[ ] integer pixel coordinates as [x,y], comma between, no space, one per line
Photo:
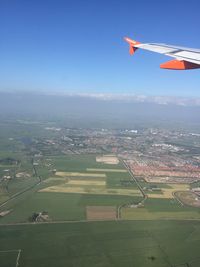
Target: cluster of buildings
[166,155]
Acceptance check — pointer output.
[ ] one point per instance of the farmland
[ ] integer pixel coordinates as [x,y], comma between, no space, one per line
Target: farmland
[78,182]
[66,195]
[168,192]
[95,212]
[93,190]
[155,209]
[188,198]
[139,243]
[141,236]
[101,213]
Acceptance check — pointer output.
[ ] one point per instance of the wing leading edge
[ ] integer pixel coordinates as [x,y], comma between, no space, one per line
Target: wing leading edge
[185,58]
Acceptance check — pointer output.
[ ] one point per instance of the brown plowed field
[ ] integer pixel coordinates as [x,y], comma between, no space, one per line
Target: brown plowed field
[101,212]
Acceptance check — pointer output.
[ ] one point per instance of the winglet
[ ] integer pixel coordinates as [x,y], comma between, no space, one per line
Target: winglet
[132,45]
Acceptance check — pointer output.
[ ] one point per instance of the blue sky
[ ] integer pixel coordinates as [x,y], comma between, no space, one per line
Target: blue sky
[77,46]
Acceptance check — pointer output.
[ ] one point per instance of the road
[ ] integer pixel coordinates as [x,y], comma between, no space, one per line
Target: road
[91,221]
[136,181]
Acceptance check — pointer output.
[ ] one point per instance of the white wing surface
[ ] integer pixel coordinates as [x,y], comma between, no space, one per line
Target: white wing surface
[185,58]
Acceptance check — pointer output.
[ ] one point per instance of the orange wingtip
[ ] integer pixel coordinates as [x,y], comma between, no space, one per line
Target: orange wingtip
[132,44]
[179,65]
[130,41]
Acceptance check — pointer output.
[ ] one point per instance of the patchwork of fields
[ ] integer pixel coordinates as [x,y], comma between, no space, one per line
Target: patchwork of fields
[82,189]
[87,183]
[80,181]
[66,194]
[65,188]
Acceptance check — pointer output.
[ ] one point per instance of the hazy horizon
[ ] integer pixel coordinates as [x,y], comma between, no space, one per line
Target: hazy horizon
[98,111]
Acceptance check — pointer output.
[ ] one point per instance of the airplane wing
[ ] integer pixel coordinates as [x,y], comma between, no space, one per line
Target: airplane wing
[185,58]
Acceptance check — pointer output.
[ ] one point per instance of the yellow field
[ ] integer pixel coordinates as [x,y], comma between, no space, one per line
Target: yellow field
[86,182]
[56,179]
[80,174]
[107,159]
[105,170]
[64,188]
[168,192]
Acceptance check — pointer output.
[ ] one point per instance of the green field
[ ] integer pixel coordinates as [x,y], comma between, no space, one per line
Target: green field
[104,244]
[155,209]
[9,257]
[80,163]
[60,206]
